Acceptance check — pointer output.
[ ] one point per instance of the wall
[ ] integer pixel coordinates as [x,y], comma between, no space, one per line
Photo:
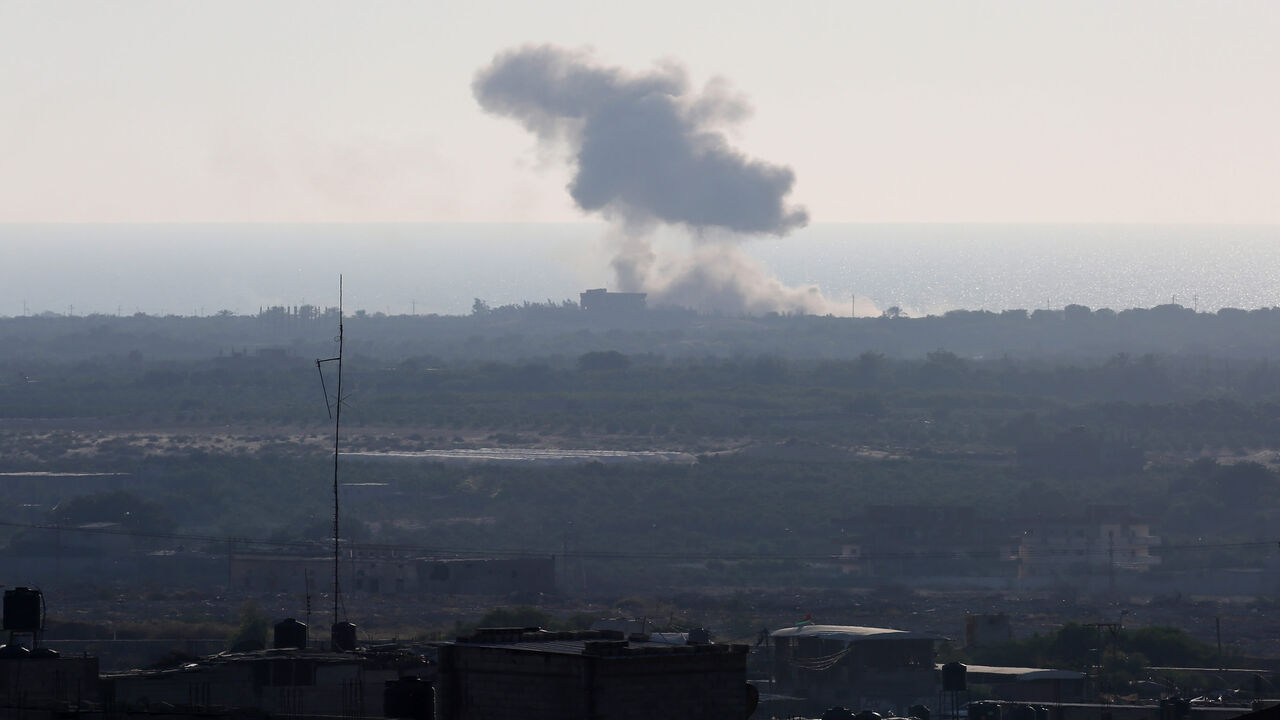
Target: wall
[504,683]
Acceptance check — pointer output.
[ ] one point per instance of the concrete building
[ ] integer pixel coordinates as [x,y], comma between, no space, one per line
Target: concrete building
[277,682]
[891,541]
[531,674]
[40,680]
[859,667]
[601,300]
[986,630]
[487,576]
[1038,685]
[1104,540]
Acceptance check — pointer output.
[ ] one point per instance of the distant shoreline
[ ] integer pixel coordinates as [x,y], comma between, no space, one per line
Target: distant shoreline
[422,268]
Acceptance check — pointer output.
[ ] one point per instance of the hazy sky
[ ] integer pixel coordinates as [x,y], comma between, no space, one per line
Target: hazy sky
[1110,111]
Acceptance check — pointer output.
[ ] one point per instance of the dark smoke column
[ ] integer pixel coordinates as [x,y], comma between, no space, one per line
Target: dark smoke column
[645,148]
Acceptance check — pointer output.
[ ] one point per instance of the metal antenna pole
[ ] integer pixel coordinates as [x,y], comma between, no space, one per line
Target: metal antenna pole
[335,411]
[337,425]
[306,580]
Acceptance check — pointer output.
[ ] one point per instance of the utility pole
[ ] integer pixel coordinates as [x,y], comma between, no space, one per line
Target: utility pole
[1217,630]
[58,555]
[1111,562]
[306,579]
[1113,629]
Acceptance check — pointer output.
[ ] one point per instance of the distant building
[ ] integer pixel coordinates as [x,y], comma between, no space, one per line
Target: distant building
[986,630]
[922,540]
[601,300]
[1106,538]
[487,576]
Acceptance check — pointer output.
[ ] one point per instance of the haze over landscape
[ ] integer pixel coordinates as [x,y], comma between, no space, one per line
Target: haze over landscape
[955,319]
[441,268]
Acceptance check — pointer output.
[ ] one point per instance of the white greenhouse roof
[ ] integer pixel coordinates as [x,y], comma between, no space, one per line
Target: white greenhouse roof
[851,633]
[1021,673]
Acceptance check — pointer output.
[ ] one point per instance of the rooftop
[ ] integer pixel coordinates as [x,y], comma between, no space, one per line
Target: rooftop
[852,633]
[605,643]
[1022,673]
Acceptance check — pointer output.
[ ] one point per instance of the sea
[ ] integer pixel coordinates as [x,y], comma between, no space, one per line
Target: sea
[202,269]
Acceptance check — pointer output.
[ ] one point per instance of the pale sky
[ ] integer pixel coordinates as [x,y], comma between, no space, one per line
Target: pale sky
[1164,111]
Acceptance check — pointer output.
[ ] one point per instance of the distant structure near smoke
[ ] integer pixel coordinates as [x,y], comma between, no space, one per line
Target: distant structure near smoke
[646,149]
[602,301]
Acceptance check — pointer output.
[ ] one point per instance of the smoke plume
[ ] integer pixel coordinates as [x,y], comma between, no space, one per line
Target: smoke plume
[646,150]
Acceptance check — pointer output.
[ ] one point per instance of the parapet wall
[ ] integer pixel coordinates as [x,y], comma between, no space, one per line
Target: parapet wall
[529,674]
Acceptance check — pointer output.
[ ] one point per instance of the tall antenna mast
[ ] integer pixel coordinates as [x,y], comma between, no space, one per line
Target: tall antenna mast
[335,411]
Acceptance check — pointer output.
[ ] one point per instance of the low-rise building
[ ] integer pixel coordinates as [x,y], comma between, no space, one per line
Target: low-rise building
[277,682]
[42,680]
[531,674]
[853,666]
[890,541]
[1105,538]
[601,300]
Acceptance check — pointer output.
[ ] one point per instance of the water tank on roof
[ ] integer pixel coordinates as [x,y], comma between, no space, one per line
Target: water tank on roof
[290,633]
[953,677]
[343,636]
[23,610]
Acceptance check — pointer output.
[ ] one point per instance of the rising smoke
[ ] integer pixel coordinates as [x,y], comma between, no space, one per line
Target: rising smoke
[648,150]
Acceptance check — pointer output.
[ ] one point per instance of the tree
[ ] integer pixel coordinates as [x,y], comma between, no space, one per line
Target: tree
[252,633]
[521,616]
[117,506]
[603,360]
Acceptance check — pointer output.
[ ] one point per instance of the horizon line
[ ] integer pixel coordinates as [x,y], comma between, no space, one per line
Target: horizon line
[864,223]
